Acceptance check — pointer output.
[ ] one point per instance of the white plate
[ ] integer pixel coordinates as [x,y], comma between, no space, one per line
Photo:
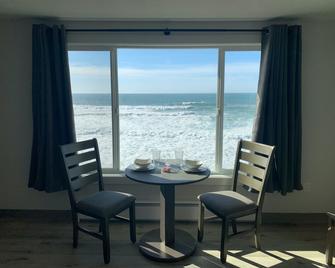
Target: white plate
[192,164]
[194,170]
[139,168]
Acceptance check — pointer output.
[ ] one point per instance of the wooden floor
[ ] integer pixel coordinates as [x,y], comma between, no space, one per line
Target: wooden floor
[44,242]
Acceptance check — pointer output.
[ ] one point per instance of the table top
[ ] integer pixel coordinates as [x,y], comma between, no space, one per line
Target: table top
[159,177]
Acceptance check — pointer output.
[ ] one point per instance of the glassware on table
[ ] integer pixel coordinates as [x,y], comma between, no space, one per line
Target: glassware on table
[156,157]
[179,156]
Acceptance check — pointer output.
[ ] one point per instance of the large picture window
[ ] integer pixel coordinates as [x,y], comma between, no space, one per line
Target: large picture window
[135,100]
[167,101]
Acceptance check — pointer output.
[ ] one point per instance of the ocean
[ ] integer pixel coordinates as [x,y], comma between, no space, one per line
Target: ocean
[165,122]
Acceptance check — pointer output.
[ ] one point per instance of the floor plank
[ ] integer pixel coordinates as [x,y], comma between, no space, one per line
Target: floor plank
[42,242]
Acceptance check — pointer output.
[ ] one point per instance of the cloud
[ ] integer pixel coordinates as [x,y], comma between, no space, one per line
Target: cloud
[242,68]
[89,70]
[143,72]
[235,69]
[168,71]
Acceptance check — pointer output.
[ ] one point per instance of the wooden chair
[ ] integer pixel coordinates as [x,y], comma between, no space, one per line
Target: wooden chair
[83,167]
[252,167]
[330,238]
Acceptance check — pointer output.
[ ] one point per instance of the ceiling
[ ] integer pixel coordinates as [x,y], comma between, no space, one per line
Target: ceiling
[168,9]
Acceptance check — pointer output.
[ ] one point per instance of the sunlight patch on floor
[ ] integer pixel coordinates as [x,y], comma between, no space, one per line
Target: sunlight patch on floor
[312,255]
[161,247]
[262,258]
[231,259]
[214,253]
[319,265]
[269,258]
[239,262]
[280,254]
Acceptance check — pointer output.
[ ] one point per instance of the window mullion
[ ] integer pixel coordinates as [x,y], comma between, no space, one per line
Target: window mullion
[115,110]
[219,114]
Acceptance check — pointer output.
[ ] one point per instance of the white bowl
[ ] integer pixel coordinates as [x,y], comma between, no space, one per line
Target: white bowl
[194,164]
[142,162]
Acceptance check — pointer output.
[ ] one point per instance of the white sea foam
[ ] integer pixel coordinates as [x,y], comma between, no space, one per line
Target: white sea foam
[192,102]
[146,127]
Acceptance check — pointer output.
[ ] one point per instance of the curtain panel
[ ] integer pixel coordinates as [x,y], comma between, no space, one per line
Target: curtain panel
[278,115]
[53,121]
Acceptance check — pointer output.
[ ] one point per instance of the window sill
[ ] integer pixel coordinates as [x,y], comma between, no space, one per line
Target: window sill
[121,179]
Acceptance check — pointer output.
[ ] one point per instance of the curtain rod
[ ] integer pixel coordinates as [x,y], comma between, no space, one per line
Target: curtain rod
[166,31]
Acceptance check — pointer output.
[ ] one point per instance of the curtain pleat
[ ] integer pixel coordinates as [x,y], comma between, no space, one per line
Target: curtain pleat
[53,121]
[278,115]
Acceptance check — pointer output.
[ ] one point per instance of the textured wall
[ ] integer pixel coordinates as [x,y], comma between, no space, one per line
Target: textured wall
[318,131]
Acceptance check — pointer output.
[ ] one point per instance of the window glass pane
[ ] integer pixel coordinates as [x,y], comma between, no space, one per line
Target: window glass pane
[91,92]
[240,82]
[167,100]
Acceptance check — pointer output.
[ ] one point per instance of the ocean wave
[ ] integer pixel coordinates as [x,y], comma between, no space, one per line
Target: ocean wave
[192,102]
[156,107]
[150,114]
[145,127]
[93,114]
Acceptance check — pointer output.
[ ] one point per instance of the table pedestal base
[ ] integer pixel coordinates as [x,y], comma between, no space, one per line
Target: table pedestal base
[151,246]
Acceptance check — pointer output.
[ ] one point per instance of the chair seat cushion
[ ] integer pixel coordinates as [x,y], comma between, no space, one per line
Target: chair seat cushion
[105,204]
[226,203]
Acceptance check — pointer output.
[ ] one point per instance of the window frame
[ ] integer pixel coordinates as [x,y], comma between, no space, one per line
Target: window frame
[219,130]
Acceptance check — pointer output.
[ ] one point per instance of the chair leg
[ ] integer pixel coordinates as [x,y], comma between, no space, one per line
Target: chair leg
[257,234]
[75,230]
[201,222]
[106,242]
[224,239]
[330,245]
[132,222]
[234,226]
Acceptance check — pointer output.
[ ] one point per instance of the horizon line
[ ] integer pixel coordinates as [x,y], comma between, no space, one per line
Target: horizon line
[163,93]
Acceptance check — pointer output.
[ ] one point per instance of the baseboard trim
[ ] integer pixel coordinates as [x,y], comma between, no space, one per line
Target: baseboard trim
[65,215]
[294,218]
[58,215]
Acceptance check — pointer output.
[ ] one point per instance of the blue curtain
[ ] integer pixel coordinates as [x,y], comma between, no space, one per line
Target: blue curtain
[53,121]
[278,116]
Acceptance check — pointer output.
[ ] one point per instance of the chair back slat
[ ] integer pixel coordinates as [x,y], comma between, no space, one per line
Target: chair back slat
[252,171]
[252,166]
[257,147]
[82,164]
[78,146]
[81,182]
[76,159]
[76,171]
[254,159]
[252,183]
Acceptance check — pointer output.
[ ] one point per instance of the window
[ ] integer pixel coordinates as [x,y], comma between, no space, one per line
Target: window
[200,100]
[167,100]
[91,94]
[240,89]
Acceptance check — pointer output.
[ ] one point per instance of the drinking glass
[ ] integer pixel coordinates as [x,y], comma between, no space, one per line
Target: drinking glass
[179,156]
[156,157]
[166,157]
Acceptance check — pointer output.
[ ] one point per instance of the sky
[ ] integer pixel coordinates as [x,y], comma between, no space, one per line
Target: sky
[164,71]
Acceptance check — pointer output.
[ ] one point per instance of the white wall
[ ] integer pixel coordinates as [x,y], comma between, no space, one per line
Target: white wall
[318,130]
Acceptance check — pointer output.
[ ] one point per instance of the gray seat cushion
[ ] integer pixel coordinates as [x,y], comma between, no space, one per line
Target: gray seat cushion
[226,203]
[105,204]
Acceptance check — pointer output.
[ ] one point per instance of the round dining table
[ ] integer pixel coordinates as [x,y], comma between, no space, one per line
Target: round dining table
[167,244]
